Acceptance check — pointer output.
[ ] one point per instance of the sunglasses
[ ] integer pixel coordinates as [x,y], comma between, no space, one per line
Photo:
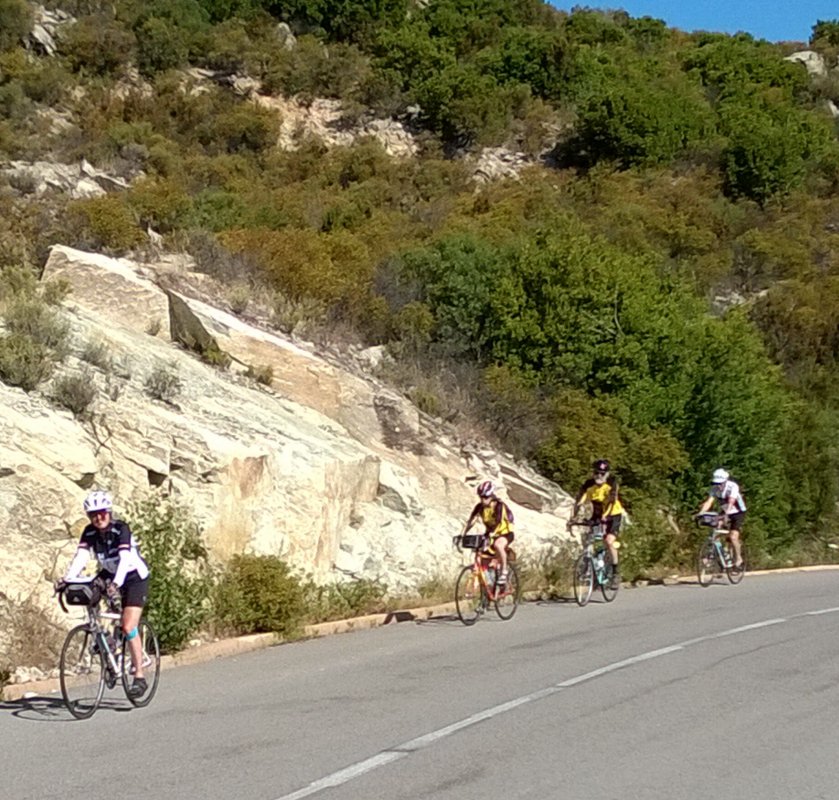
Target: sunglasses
[600,474]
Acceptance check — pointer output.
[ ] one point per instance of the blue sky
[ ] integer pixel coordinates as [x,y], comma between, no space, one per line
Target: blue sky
[775,20]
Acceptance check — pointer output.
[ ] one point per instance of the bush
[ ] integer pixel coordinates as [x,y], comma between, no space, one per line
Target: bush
[163,383]
[75,392]
[104,223]
[24,362]
[259,594]
[181,580]
[97,45]
[346,599]
[98,354]
[30,316]
[15,22]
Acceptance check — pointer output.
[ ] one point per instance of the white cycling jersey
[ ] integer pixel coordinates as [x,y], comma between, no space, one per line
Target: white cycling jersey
[725,493]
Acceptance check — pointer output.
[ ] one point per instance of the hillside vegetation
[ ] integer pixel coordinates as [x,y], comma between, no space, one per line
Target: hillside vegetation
[660,287]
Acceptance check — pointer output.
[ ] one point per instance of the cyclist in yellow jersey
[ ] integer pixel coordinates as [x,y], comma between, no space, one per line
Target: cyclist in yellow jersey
[601,490]
[498,521]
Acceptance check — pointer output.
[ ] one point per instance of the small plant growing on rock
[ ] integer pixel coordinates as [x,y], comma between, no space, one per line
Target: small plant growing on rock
[98,354]
[24,362]
[263,375]
[75,392]
[163,383]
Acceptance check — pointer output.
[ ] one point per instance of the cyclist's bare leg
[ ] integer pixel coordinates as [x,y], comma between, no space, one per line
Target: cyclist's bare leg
[130,620]
[734,538]
[610,539]
[500,547]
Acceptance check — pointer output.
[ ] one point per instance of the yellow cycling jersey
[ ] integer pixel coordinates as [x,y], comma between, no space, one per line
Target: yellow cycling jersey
[496,516]
[602,496]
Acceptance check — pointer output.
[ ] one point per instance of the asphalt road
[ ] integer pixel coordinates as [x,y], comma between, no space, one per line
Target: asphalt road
[669,692]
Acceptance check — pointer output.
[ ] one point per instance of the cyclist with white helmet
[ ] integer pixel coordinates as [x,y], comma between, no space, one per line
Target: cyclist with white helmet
[498,521]
[601,492]
[112,544]
[726,495]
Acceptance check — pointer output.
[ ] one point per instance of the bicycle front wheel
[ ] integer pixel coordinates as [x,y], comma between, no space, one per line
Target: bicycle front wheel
[469,596]
[507,598]
[150,653]
[706,563]
[583,580]
[81,672]
[735,574]
[609,592]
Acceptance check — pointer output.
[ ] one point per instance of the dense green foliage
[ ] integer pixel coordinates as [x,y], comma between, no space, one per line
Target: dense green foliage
[180,581]
[660,287]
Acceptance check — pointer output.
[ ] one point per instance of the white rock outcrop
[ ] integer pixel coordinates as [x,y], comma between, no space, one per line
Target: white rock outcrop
[330,470]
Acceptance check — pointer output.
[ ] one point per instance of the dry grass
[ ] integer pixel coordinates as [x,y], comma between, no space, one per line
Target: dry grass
[33,640]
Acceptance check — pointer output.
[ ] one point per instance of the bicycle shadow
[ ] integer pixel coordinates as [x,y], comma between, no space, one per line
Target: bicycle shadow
[47,708]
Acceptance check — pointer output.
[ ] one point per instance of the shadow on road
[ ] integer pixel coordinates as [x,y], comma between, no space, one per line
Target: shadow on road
[47,708]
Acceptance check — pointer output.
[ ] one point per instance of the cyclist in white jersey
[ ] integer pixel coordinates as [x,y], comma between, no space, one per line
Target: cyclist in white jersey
[112,544]
[726,495]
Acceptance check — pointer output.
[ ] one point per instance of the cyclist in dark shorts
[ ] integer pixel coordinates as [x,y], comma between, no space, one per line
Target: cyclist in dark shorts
[498,521]
[726,495]
[112,544]
[601,491]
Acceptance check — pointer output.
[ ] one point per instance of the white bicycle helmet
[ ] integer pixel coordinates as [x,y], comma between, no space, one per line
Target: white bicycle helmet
[97,501]
[719,476]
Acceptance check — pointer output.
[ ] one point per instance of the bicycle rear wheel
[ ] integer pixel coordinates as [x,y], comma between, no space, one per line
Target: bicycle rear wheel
[609,592]
[583,580]
[81,672]
[507,599]
[150,650]
[469,596]
[706,563]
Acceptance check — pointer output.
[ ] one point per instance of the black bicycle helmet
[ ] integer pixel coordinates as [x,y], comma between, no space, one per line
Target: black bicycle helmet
[601,465]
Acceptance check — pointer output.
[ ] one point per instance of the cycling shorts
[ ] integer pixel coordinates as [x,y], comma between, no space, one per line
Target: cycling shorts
[613,525]
[135,592]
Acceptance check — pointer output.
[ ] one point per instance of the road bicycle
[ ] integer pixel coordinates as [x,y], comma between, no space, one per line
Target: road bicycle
[594,565]
[96,655]
[715,554]
[477,585]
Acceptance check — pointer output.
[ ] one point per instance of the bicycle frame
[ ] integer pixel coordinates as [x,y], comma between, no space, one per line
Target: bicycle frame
[593,544]
[715,537]
[477,588]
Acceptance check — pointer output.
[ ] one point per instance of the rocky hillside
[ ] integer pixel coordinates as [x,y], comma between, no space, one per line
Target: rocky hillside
[318,463]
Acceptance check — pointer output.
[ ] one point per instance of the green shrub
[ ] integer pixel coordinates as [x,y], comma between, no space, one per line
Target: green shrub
[24,362]
[163,383]
[181,579]
[259,594]
[104,223]
[31,316]
[345,599]
[98,354]
[97,45]
[75,392]
[15,22]
[160,46]
[55,292]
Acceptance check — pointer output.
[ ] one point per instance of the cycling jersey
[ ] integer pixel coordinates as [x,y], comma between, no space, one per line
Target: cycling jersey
[727,492]
[496,516]
[602,496]
[116,551]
